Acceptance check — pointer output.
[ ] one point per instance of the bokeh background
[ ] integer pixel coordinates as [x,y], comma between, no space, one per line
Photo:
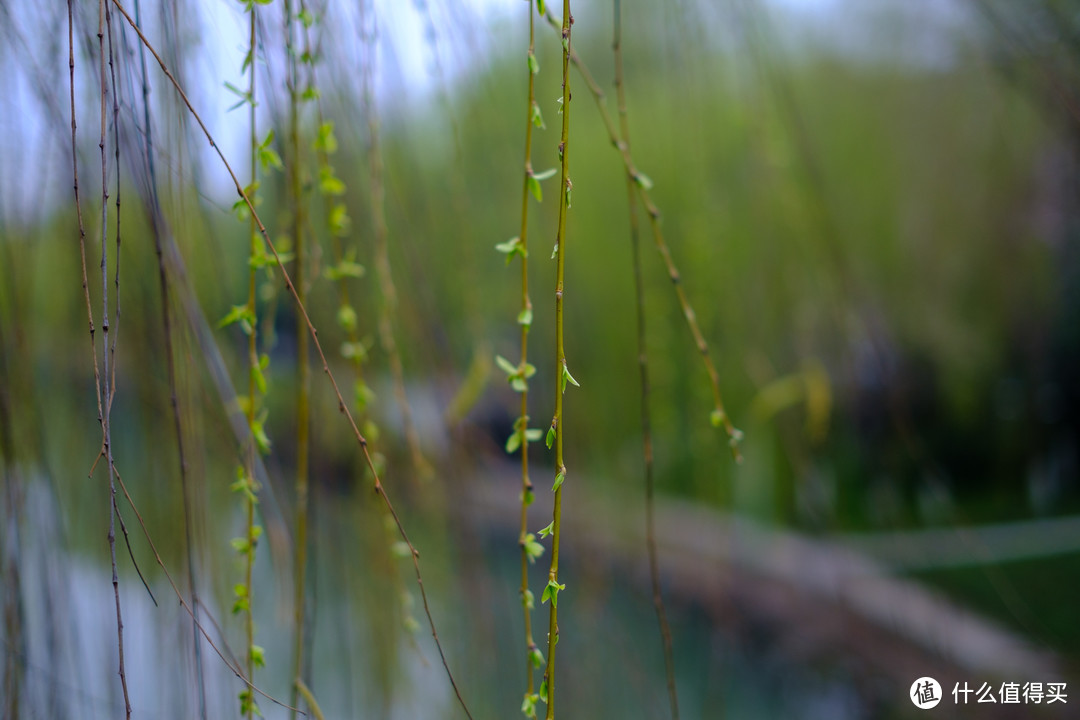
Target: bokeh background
[873,206]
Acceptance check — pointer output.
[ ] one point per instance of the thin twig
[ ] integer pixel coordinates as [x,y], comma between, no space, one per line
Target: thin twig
[303,362]
[115,327]
[107,388]
[523,421]
[342,405]
[643,366]
[561,371]
[247,702]
[78,211]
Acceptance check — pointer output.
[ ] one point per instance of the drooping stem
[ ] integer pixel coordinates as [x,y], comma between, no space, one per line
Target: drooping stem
[643,367]
[561,371]
[303,366]
[106,386]
[343,407]
[525,320]
[719,416]
[247,699]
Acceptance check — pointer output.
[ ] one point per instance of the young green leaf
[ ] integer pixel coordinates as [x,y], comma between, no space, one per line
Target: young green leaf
[525,317]
[245,97]
[534,64]
[339,220]
[511,248]
[505,365]
[534,434]
[529,601]
[259,378]
[558,481]
[716,417]
[268,158]
[364,396]
[543,690]
[534,188]
[550,436]
[330,184]
[534,182]
[513,442]
[551,590]
[545,531]
[325,139]
[346,318]
[537,116]
[345,268]
[643,181]
[258,431]
[528,705]
[536,656]
[533,549]
[354,351]
[566,376]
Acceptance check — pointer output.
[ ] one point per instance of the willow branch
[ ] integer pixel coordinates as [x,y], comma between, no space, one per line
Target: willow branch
[643,367]
[560,365]
[342,405]
[719,414]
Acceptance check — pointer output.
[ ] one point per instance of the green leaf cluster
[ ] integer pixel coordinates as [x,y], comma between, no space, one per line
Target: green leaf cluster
[536,178]
[516,375]
[551,591]
[533,549]
[512,247]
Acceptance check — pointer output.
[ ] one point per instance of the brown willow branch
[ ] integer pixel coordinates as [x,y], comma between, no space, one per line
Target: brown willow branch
[106,386]
[131,553]
[643,367]
[78,211]
[115,329]
[719,415]
[342,406]
[170,360]
[561,371]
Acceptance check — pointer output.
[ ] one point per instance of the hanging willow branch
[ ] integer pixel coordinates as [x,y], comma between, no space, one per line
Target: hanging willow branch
[342,405]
